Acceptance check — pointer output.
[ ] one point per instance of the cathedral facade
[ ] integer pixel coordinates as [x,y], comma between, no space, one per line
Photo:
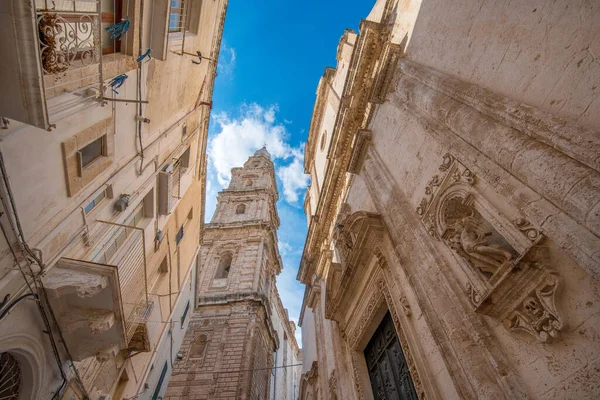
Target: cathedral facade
[454,225]
[240,343]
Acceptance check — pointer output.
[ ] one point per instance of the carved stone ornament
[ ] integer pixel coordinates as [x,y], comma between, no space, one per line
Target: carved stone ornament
[537,314]
[356,236]
[362,140]
[452,172]
[380,298]
[505,261]
[333,386]
[308,381]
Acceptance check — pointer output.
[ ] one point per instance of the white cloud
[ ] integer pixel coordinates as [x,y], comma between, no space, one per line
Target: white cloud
[238,138]
[226,60]
[293,178]
[284,248]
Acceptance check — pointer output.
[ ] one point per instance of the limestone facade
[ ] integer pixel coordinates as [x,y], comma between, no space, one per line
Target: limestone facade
[455,189]
[240,343]
[102,193]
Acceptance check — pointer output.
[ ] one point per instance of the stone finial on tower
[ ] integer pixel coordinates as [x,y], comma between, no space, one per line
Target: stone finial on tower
[263,152]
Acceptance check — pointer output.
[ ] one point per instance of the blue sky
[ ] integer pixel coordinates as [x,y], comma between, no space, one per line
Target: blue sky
[272,56]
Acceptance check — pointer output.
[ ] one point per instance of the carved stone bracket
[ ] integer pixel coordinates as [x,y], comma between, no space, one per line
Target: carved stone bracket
[361,143]
[505,261]
[537,313]
[390,55]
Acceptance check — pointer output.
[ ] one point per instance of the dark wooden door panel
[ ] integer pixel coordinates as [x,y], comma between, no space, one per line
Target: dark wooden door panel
[388,371]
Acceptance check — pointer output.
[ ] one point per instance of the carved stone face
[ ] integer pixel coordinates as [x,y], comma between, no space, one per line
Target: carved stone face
[532,307]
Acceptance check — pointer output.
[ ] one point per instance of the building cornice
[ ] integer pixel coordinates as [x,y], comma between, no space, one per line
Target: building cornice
[353,115]
[317,117]
[243,297]
[261,224]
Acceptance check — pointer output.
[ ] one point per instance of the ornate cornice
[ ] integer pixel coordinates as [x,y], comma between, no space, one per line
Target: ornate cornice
[353,115]
[317,117]
[361,143]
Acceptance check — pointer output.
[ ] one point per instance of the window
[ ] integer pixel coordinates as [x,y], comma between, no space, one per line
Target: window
[185,159]
[92,152]
[164,266]
[111,14]
[185,313]
[177,16]
[323,140]
[199,346]
[120,235]
[249,182]
[97,200]
[240,209]
[224,266]
[11,377]
[179,236]
[163,373]
[93,145]
[138,216]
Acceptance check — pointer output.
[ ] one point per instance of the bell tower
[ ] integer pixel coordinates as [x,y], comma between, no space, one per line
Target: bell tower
[228,349]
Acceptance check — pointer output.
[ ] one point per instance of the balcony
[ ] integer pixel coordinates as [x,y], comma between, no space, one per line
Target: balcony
[49,48]
[98,292]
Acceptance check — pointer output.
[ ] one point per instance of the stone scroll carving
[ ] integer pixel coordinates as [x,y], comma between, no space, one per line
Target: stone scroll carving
[537,314]
[344,241]
[333,385]
[505,261]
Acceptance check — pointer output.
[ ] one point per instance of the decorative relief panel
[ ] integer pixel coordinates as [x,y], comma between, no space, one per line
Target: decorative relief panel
[356,235]
[333,385]
[504,261]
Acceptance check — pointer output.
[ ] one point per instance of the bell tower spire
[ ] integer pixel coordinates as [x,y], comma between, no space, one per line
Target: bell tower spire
[251,195]
[231,328]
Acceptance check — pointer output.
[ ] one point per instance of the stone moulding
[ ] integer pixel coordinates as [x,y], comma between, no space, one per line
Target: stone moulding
[308,380]
[359,149]
[390,55]
[505,261]
[356,236]
[537,313]
[379,297]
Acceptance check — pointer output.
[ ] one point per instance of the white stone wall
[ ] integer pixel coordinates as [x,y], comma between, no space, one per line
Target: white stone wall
[510,93]
[53,221]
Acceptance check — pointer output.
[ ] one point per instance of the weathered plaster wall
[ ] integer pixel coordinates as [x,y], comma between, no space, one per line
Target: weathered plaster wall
[542,53]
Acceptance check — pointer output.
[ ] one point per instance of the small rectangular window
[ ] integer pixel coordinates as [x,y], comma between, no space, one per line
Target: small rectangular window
[185,313]
[189,217]
[97,200]
[138,216]
[185,159]
[92,152]
[163,373]
[179,236]
[111,14]
[177,16]
[164,266]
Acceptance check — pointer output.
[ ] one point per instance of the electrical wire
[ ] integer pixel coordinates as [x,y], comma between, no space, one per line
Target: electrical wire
[237,371]
[14,303]
[38,284]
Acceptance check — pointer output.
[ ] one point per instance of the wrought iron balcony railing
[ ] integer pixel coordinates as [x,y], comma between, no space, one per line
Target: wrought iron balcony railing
[123,247]
[70,48]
